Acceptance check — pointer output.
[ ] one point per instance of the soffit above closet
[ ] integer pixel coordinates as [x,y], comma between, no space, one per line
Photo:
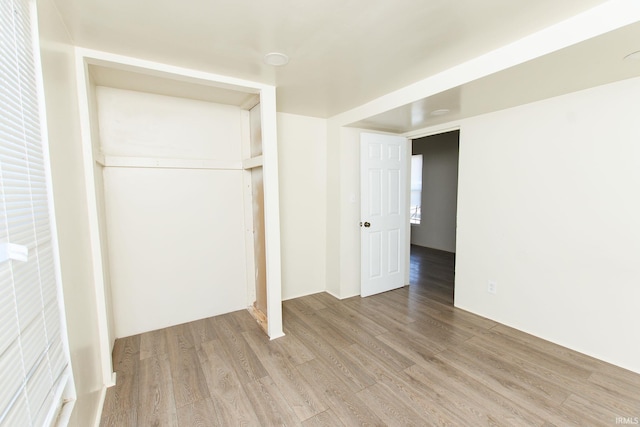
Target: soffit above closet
[145,82]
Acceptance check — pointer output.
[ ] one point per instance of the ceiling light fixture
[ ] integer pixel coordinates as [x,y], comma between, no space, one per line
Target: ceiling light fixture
[634,56]
[276,59]
[440,112]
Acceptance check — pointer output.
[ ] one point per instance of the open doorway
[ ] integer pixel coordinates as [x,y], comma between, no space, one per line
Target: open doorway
[433,208]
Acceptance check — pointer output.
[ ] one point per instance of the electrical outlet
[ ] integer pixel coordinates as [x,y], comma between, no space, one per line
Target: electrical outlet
[492,287]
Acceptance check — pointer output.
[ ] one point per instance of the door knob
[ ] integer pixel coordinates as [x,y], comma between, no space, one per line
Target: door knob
[367,225]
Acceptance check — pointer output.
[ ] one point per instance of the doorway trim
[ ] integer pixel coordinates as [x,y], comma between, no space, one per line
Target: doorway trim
[432,131]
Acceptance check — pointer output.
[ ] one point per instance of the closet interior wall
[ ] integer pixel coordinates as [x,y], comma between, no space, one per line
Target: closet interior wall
[169,181]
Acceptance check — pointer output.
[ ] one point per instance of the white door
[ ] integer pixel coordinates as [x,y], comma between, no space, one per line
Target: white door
[383,212]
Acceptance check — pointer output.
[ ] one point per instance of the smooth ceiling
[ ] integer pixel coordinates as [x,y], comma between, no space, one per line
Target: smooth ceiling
[343,52]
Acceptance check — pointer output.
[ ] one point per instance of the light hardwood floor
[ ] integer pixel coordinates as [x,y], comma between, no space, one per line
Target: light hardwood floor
[405,357]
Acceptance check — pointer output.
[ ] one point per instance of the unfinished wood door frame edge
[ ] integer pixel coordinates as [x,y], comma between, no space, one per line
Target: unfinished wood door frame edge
[247,188]
[253,162]
[259,317]
[271,210]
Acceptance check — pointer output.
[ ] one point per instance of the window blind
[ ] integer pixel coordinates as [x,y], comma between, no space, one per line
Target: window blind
[33,360]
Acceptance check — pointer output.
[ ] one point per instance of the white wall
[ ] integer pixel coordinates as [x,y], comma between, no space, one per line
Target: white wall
[333,210]
[70,203]
[147,125]
[548,207]
[176,236]
[343,210]
[302,159]
[350,277]
[437,228]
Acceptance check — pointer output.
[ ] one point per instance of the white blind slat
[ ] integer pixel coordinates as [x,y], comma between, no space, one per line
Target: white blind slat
[13,376]
[38,388]
[57,358]
[33,362]
[19,412]
[8,317]
[33,341]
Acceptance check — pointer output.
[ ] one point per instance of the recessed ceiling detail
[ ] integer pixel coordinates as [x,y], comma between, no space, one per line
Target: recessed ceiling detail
[440,112]
[634,56]
[276,59]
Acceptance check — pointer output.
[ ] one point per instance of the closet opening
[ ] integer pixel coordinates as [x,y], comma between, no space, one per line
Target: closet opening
[182,188]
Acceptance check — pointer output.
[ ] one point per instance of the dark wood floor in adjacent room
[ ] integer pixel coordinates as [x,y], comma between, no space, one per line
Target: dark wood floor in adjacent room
[405,357]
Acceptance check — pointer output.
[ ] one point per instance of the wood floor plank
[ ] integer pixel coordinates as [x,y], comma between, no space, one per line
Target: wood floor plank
[244,321]
[369,361]
[358,335]
[188,379]
[156,406]
[202,331]
[180,336]
[397,301]
[118,399]
[199,414]
[302,398]
[561,353]
[345,315]
[294,350]
[346,405]
[412,345]
[321,345]
[315,322]
[387,406]
[434,407]
[269,404]
[384,315]
[315,301]
[435,295]
[305,306]
[189,383]
[126,352]
[128,418]
[470,400]
[448,313]
[245,362]
[621,384]
[461,319]
[153,343]
[324,419]
[509,374]
[439,332]
[230,402]
[325,300]
[547,360]
[533,395]
[591,412]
